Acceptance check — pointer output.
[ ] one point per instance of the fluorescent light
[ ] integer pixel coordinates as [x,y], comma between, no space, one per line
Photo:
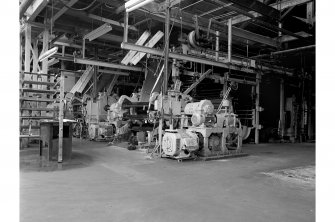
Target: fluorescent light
[53,61]
[96,33]
[138,5]
[107,64]
[107,71]
[132,3]
[48,53]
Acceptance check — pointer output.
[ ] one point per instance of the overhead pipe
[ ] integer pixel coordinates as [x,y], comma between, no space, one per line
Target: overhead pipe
[189,58]
[24,6]
[195,59]
[293,50]
[284,51]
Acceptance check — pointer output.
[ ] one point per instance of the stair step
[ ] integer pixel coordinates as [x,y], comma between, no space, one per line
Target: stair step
[36,117]
[37,109]
[30,136]
[37,99]
[37,82]
[27,127]
[38,90]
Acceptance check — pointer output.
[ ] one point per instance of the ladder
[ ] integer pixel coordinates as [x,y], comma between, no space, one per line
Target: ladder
[35,95]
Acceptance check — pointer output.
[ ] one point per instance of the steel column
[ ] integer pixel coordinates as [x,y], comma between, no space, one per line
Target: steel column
[217,46]
[166,48]
[166,69]
[125,29]
[229,39]
[61,116]
[257,126]
[45,64]
[282,108]
[27,53]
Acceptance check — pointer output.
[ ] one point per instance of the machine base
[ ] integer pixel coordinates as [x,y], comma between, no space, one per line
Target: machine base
[225,156]
[179,159]
[208,158]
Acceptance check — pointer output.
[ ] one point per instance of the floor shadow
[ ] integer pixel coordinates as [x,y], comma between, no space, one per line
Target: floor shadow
[31,161]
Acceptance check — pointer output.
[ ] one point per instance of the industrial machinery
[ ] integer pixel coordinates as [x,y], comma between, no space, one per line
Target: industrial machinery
[130,113]
[127,112]
[204,133]
[95,113]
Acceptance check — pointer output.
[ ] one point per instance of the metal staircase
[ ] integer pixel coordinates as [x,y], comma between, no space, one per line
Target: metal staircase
[34,97]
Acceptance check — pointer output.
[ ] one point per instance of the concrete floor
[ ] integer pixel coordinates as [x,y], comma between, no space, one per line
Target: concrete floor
[108,183]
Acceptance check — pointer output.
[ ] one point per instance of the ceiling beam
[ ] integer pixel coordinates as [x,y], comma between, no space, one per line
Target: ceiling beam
[35,8]
[172,55]
[190,58]
[254,5]
[99,18]
[24,6]
[222,28]
[288,38]
[286,13]
[63,10]
[281,5]
[113,72]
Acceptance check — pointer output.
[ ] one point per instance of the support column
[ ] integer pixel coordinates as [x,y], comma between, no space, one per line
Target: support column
[27,53]
[282,108]
[257,126]
[95,75]
[27,62]
[61,116]
[303,110]
[21,53]
[166,68]
[229,39]
[45,66]
[217,45]
[45,48]
[125,28]
[225,84]
[280,25]
[34,78]
[167,42]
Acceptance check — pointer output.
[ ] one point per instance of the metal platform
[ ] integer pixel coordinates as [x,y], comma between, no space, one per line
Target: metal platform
[34,99]
[37,82]
[38,90]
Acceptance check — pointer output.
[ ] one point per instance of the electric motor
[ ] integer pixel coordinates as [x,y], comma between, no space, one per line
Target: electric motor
[197,119]
[204,107]
[179,142]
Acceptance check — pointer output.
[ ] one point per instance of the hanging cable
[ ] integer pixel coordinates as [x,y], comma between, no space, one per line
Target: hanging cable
[52,15]
[167,48]
[78,9]
[108,6]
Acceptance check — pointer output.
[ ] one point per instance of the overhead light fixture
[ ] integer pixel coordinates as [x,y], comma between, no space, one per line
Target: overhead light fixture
[135,4]
[107,71]
[52,61]
[48,53]
[107,64]
[96,33]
